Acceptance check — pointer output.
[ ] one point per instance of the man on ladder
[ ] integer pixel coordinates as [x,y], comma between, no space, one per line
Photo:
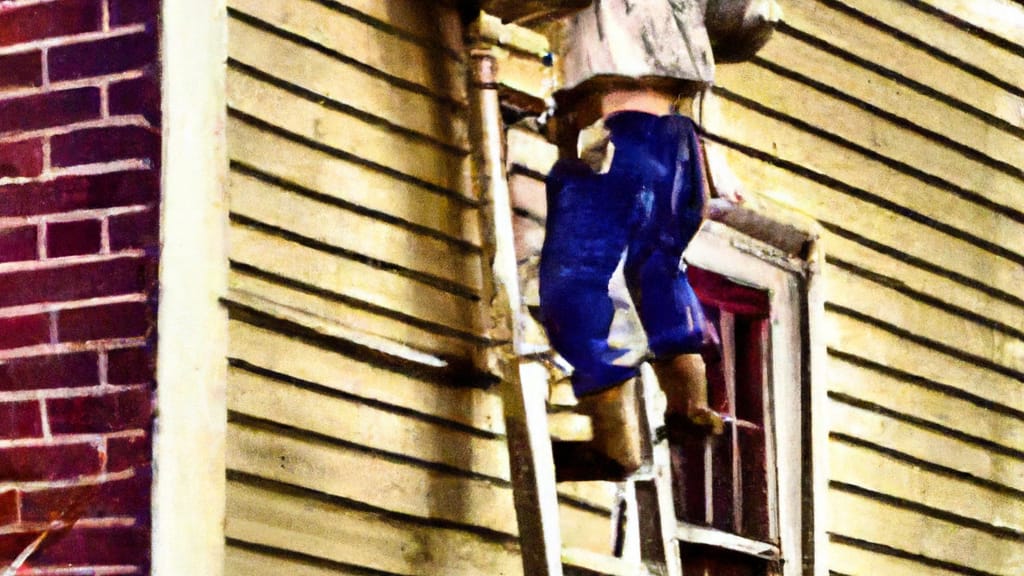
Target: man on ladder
[630,184]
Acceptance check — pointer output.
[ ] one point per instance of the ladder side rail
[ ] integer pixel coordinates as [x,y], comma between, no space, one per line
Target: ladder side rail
[526,421]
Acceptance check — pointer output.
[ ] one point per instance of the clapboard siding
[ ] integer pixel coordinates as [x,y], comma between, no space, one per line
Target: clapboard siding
[334,28]
[946,39]
[354,444]
[852,212]
[319,527]
[288,254]
[828,69]
[868,138]
[898,127]
[325,222]
[304,361]
[292,160]
[999,21]
[921,400]
[883,563]
[259,45]
[919,69]
[974,505]
[907,528]
[348,135]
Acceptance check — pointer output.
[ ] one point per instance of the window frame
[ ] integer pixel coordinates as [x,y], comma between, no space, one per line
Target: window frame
[796,453]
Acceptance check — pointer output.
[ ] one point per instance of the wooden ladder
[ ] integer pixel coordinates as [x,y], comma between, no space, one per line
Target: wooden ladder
[525,396]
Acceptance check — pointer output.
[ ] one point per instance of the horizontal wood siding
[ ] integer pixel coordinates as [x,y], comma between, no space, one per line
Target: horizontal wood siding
[898,127]
[355,445]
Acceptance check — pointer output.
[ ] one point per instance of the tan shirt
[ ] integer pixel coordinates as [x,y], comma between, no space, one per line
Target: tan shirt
[639,39]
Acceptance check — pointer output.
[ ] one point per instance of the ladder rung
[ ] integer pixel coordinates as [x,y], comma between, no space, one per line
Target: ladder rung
[570,427]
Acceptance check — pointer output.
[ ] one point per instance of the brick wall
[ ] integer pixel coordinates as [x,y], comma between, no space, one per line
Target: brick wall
[79,193]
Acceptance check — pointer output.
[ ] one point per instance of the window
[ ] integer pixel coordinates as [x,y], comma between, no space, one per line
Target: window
[724,482]
[743,499]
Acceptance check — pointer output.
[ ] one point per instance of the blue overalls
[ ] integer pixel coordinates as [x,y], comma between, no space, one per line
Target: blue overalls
[648,205]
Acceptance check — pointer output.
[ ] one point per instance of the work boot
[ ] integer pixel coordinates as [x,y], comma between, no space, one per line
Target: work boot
[684,381]
[614,452]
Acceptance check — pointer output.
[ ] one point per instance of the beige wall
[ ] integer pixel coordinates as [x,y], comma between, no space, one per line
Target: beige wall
[899,130]
[356,267]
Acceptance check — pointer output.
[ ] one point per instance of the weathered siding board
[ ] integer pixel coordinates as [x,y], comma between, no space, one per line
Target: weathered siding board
[354,39]
[899,129]
[842,208]
[940,447]
[896,526]
[924,402]
[945,39]
[256,44]
[278,252]
[857,560]
[857,337]
[1001,21]
[344,418]
[349,135]
[997,349]
[354,232]
[868,138]
[291,160]
[304,361]
[258,561]
[316,526]
[827,69]
[920,280]
[977,506]
[359,316]
[919,69]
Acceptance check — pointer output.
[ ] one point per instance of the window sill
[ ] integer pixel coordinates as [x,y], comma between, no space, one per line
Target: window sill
[693,534]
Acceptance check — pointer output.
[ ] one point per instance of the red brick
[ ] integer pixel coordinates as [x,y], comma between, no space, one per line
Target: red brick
[57,503]
[133,11]
[27,463]
[20,420]
[137,96]
[105,145]
[73,238]
[128,497]
[47,20]
[135,230]
[29,330]
[24,69]
[12,544]
[49,109]
[100,57]
[47,372]
[10,505]
[77,281]
[79,193]
[125,453]
[92,546]
[23,158]
[130,366]
[17,244]
[127,320]
[114,412]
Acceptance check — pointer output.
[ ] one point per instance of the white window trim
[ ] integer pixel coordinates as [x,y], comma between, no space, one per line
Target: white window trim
[798,354]
[190,428]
